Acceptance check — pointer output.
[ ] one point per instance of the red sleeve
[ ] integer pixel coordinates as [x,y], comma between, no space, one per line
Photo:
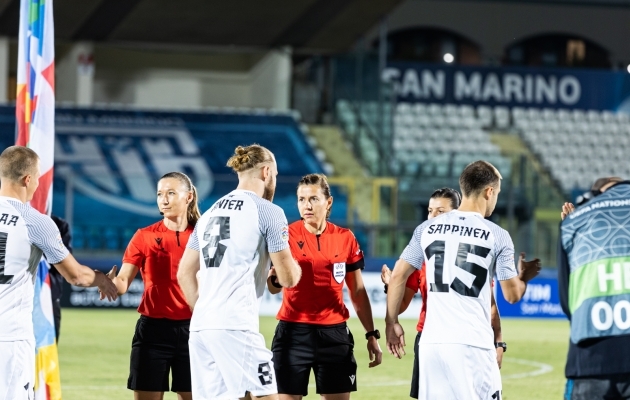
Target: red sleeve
[413,282]
[356,254]
[134,254]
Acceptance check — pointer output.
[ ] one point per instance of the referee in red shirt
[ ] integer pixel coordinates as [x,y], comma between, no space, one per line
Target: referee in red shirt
[312,332]
[160,342]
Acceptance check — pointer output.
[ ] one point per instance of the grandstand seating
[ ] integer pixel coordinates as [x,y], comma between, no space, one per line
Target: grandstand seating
[433,139]
[576,146]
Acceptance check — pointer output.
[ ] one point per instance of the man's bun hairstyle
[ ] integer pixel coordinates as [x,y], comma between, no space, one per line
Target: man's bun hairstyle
[249,157]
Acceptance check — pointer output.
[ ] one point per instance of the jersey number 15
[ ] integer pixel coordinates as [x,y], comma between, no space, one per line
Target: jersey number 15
[436,249]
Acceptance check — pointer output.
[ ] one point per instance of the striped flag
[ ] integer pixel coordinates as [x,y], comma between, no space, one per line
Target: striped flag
[35,113]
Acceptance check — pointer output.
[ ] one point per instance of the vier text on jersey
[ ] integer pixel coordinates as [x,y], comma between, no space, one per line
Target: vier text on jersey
[228,204]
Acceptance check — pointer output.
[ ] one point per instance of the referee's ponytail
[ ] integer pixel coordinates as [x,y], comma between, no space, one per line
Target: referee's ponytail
[192,213]
[450,194]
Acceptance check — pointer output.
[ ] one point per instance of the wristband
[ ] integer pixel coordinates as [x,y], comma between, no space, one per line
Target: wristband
[275,283]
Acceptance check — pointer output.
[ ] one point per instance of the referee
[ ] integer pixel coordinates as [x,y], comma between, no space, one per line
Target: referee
[160,342]
[312,332]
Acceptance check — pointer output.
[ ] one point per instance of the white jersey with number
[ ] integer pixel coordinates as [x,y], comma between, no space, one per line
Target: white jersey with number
[25,234]
[234,238]
[462,251]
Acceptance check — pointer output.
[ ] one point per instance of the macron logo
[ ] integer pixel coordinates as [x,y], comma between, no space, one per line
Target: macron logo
[352,377]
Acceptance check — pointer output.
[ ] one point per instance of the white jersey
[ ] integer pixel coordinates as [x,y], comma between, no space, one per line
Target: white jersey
[461,251]
[234,238]
[25,234]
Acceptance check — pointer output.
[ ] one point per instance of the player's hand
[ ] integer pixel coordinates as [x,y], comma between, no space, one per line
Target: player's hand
[374,351]
[272,272]
[112,273]
[386,274]
[528,270]
[567,208]
[395,336]
[499,356]
[106,287]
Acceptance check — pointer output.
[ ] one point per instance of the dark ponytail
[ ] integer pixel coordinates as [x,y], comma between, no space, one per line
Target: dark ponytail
[448,193]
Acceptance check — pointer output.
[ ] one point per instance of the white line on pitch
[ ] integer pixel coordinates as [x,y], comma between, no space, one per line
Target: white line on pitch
[542,368]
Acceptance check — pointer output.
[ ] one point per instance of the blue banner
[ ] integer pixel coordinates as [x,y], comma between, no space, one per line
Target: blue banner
[541,300]
[107,163]
[510,86]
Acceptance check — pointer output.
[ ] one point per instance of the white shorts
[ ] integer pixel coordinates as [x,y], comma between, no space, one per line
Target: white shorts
[17,370]
[458,372]
[227,364]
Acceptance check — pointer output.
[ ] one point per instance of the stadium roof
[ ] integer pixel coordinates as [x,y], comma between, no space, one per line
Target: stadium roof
[308,25]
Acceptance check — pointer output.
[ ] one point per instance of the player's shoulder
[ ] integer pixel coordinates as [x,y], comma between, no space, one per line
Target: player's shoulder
[494,228]
[31,215]
[422,227]
[265,205]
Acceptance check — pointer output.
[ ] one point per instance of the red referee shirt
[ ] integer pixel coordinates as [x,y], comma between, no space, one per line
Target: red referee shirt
[325,259]
[156,251]
[418,281]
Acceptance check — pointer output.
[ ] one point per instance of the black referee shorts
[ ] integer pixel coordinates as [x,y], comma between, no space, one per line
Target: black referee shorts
[415,378]
[160,346]
[327,349]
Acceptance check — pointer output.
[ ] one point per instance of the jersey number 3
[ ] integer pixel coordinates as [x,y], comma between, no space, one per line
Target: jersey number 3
[436,249]
[218,229]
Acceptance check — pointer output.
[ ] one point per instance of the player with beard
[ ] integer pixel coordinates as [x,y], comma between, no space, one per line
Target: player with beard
[223,274]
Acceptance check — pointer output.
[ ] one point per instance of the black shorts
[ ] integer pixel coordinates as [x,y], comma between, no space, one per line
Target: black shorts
[613,387]
[415,378]
[327,349]
[159,346]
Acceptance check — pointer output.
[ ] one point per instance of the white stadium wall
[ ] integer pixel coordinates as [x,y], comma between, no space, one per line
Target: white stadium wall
[161,79]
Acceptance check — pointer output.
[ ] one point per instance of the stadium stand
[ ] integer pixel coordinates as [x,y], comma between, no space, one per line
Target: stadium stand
[98,148]
[432,140]
[576,146]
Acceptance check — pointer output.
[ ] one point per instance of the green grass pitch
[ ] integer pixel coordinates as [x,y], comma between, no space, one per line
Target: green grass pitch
[95,345]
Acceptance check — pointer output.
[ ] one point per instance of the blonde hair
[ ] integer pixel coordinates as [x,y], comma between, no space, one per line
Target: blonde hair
[16,162]
[249,157]
[193,214]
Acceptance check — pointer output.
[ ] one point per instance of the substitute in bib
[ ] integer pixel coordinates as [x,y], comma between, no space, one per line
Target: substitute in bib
[593,254]
[441,201]
[160,342]
[26,234]
[462,251]
[223,274]
[312,332]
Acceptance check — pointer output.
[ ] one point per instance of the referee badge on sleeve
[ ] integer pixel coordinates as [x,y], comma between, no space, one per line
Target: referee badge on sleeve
[339,271]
